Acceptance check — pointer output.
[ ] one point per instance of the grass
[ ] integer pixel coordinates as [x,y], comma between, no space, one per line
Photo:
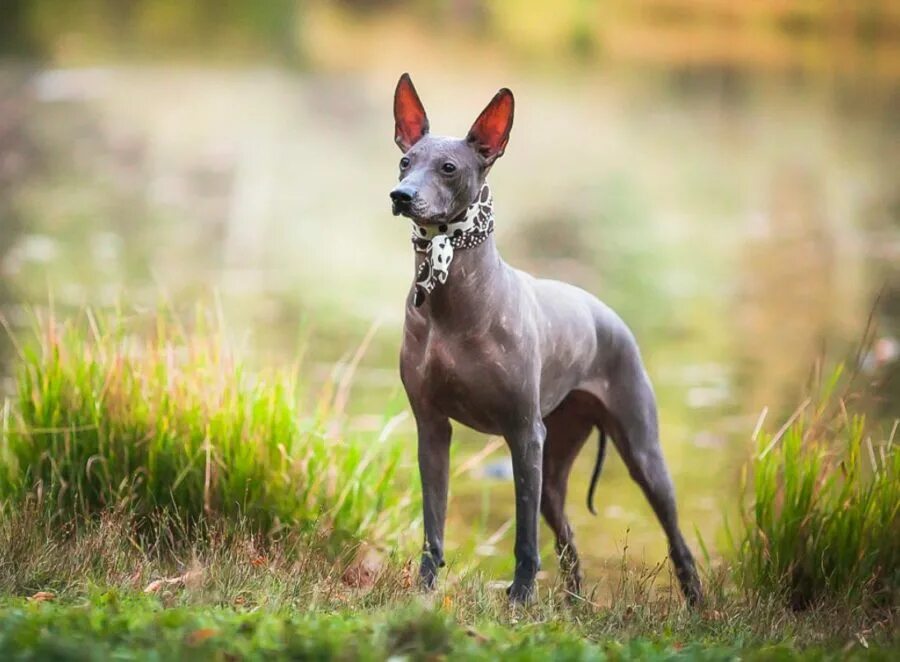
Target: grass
[233,593]
[110,416]
[160,503]
[824,519]
[109,627]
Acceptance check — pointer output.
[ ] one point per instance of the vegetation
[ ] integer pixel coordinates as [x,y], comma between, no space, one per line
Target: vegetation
[225,592]
[108,418]
[109,626]
[161,499]
[824,522]
[161,503]
[802,35]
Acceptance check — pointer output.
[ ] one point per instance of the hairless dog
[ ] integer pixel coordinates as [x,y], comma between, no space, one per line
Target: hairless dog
[540,362]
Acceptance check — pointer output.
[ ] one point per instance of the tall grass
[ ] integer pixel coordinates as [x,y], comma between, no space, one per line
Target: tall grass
[111,417]
[824,521]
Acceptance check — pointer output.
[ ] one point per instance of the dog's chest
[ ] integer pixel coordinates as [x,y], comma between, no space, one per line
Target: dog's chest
[446,373]
[465,380]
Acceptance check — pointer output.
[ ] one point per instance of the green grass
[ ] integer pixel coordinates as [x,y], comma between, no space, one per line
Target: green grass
[824,518]
[110,627]
[117,416]
[172,505]
[251,596]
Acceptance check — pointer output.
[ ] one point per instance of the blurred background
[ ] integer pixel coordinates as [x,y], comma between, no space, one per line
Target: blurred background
[724,174]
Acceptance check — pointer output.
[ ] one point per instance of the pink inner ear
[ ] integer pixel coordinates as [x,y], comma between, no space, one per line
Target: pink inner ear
[410,120]
[491,130]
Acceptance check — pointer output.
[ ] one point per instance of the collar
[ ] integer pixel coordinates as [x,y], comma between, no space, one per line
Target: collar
[438,242]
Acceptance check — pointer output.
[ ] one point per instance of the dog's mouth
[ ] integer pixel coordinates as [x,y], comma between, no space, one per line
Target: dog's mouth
[401,209]
[416,215]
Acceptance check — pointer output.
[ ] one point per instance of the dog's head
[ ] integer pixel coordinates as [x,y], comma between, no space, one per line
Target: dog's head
[440,176]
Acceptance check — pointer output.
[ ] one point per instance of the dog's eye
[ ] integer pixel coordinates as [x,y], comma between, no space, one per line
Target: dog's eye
[448,168]
[404,163]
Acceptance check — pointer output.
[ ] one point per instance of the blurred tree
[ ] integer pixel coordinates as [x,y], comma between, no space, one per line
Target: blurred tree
[16,38]
[86,28]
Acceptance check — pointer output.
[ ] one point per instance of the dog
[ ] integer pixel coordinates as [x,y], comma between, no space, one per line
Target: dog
[540,362]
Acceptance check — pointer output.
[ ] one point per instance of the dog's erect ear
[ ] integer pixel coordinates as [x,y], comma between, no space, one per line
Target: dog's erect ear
[490,133]
[410,121]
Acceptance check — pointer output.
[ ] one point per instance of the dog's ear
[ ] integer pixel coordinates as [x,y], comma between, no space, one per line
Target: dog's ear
[410,121]
[490,133]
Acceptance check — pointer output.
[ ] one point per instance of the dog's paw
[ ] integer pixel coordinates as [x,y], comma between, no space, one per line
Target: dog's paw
[693,593]
[428,583]
[520,593]
[428,574]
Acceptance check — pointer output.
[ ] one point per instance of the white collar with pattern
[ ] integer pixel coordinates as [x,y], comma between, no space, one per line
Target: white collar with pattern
[438,241]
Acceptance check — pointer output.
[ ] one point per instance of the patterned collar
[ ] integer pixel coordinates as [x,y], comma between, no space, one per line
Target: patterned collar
[438,242]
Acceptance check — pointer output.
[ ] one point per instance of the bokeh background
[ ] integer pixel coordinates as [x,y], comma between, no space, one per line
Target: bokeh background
[724,174]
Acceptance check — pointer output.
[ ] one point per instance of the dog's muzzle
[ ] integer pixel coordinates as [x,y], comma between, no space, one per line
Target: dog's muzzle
[401,200]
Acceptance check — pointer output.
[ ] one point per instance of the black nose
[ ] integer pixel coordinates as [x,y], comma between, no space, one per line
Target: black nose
[402,194]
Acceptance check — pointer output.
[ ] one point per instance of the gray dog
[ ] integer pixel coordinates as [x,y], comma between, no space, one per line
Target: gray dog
[540,362]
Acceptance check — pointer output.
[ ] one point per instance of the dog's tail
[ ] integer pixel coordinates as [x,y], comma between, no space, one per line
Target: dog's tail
[601,454]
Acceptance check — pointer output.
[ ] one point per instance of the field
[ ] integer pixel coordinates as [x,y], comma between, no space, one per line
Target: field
[205,448]
[162,502]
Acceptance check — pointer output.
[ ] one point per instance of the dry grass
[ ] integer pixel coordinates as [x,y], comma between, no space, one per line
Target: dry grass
[152,487]
[223,564]
[113,415]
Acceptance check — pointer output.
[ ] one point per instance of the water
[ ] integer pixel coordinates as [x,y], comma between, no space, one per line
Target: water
[739,224]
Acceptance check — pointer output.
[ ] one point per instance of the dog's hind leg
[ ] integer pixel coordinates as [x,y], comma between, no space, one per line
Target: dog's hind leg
[632,408]
[568,427]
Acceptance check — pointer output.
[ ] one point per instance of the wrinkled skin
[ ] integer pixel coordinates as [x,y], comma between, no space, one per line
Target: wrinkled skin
[540,362]
[439,197]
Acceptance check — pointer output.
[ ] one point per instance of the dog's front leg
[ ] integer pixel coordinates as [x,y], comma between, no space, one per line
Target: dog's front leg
[434,469]
[526,445]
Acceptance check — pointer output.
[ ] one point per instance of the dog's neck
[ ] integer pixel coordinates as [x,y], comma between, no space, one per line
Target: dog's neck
[463,288]
[468,295]
[438,244]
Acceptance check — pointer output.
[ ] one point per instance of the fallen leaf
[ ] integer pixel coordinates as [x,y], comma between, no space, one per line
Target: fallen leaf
[258,561]
[197,637]
[364,569]
[406,575]
[135,578]
[447,602]
[190,578]
[42,596]
[154,586]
